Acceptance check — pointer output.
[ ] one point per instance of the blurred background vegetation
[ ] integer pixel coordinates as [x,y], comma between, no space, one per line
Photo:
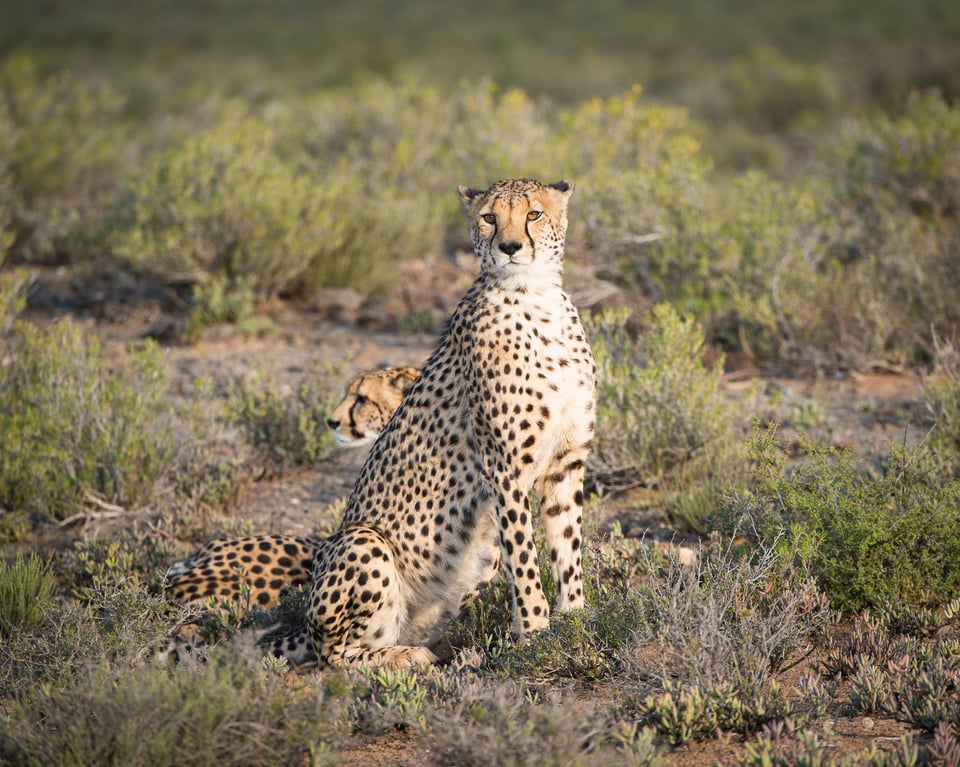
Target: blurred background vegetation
[787,173]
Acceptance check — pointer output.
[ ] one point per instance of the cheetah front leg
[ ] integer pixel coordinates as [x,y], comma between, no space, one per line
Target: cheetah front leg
[519,553]
[561,497]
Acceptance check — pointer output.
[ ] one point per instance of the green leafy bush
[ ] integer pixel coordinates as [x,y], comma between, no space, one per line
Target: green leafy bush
[895,196]
[78,429]
[370,230]
[941,394]
[222,204]
[774,93]
[641,209]
[60,150]
[289,423]
[659,413]
[769,277]
[871,541]
[411,142]
[585,645]
[26,588]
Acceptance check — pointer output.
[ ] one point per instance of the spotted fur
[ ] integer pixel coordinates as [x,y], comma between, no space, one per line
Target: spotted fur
[503,406]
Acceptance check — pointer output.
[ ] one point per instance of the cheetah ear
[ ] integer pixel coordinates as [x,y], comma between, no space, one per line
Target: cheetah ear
[402,381]
[565,187]
[468,194]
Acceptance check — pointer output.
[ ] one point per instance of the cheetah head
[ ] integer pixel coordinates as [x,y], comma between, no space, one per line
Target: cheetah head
[370,400]
[518,224]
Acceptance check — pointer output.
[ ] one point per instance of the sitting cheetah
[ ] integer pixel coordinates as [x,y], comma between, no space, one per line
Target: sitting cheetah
[260,568]
[505,404]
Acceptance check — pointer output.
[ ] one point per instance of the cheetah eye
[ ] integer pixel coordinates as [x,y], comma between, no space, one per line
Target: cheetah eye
[533,215]
[489,218]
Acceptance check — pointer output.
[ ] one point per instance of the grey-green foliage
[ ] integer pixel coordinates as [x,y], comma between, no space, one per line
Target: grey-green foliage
[899,671]
[941,394]
[717,632]
[658,406]
[232,713]
[896,182]
[731,618]
[852,526]
[60,150]
[76,427]
[641,175]
[288,422]
[769,271]
[499,728]
[783,743]
[222,203]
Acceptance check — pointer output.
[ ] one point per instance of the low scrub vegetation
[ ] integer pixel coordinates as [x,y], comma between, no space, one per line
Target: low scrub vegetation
[823,581]
[661,421]
[850,523]
[337,189]
[288,423]
[942,397]
[85,432]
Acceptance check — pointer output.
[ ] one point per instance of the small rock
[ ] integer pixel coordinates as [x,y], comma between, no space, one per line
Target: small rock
[338,304]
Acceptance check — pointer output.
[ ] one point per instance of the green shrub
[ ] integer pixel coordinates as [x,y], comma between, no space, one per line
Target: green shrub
[77,429]
[289,424]
[219,299]
[7,191]
[116,622]
[658,407]
[60,149]
[641,209]
[223,204]
[370,231]
[585,645]
[941,394]
[388,699]
[26,588]
[411,142]
[896,186]
[871,541]
[770,275]
[772,92]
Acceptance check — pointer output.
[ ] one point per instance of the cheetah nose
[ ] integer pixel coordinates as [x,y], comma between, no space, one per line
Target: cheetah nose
[510,247]
[333,423]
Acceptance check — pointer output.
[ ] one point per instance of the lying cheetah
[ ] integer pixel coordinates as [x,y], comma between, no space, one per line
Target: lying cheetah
[258,569]
[370,400]
[505,404]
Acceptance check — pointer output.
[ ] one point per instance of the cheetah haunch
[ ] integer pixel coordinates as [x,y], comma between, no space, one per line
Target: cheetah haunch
[504,405]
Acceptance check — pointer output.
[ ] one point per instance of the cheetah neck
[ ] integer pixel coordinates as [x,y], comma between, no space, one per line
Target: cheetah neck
[525,278]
